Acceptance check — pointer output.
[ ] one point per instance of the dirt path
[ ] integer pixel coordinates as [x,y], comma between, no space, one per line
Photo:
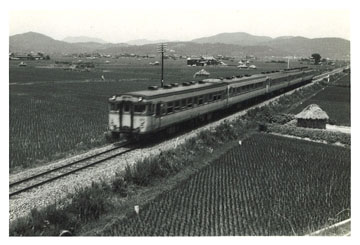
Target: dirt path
[342,228]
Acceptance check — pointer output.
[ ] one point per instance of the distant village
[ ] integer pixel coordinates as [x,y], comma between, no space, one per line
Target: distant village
[28,56]
[85,61]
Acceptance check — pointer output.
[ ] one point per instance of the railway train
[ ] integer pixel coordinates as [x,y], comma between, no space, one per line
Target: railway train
[149,111]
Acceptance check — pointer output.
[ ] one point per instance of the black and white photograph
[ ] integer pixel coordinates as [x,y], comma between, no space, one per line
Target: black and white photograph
[187,119]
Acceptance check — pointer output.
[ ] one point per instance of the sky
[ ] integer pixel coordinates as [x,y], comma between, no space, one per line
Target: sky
[128,22]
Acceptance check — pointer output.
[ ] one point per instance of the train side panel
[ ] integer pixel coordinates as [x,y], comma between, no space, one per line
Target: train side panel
[174,118]
[245,96]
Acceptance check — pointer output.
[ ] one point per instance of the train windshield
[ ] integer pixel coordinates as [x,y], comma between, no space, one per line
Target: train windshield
[126,107]
[114,106]
[139,108]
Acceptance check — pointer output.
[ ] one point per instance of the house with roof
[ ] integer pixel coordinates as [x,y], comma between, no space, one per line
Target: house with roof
[202,61]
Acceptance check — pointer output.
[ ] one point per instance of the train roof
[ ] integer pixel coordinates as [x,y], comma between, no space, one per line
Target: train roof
[193,86]
[187,87]
[285,72]
[243,79]
[167,90]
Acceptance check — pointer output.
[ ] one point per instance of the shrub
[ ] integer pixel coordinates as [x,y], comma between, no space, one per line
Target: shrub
[315,134]
[48,221]
[119,185]
[90,202]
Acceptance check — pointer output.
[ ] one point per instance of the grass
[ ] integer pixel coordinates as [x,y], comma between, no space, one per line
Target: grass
[254,189]
[334,100]
[87,204]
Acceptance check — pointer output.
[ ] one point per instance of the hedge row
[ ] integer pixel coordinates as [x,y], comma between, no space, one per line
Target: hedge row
[314,134]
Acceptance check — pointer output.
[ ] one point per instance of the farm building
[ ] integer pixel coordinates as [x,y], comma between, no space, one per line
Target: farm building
[312,117]
[201,73]
[202,61]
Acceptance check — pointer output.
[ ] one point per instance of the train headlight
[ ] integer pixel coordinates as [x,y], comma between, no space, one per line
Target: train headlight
[140,99]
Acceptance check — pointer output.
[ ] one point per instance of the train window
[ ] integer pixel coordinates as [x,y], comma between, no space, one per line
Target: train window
[183,103]
[195,100]
[126,107]
[139,108]
[238,89]
[201,100]
[163,110]
[210,97]
[170,107]
[151,108]
[177,105]
[189,102]
[114,107]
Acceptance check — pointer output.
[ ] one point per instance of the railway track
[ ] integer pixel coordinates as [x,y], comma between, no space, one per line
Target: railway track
[36,180]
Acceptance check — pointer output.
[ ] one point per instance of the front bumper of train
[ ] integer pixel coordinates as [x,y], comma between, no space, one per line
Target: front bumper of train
[125,130]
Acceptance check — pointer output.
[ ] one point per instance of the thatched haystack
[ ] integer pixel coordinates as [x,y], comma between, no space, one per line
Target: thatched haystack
[312,117]
[201,73]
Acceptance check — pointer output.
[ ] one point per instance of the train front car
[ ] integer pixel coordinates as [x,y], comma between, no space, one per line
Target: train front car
[129,115]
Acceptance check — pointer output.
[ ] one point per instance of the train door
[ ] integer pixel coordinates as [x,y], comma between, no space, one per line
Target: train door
[267,85]
[227,95]
[127,116]
[159,111]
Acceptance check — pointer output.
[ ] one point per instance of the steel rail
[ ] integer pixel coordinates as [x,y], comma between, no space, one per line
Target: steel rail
[68,172]
[63,166]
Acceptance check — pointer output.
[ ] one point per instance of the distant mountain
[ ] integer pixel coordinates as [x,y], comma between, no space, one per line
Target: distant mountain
[289,45]
[230,44]
[283,37]
[238,38]
[32,41]
[145,41]
[83,39]
[301,46]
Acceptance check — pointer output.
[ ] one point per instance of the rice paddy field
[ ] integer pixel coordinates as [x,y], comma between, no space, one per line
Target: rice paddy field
[269,185]
[55,112]
[334,100]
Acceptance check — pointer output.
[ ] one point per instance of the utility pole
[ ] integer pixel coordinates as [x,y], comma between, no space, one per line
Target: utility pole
[161,49]
[288,63]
